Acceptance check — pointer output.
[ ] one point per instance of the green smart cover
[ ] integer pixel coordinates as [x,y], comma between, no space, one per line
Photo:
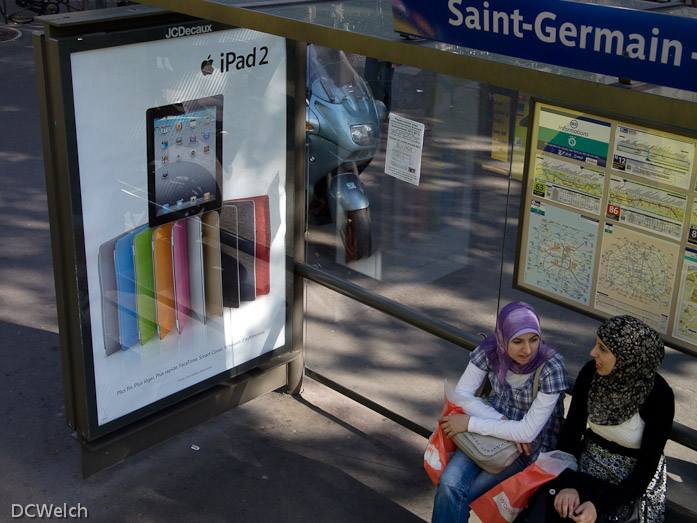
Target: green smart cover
[145,285]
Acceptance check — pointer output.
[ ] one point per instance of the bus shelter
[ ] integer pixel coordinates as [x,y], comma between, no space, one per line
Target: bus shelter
[521,153]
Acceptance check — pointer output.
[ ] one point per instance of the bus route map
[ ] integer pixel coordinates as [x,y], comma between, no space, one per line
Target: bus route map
[560,252]
[636,276]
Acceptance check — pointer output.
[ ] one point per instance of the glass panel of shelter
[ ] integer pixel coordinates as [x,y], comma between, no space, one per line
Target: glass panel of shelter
[442,243]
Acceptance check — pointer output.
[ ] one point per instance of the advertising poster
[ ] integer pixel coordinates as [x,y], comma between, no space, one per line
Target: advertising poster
[609,208]
[182,161]
[500,127]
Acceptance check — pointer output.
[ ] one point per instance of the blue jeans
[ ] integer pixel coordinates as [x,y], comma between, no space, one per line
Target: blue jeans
[462,482]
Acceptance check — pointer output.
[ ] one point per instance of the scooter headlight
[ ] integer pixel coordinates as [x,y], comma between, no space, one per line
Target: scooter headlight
[363,134]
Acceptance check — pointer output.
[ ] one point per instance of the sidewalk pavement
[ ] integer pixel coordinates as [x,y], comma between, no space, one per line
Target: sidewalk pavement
[315,457]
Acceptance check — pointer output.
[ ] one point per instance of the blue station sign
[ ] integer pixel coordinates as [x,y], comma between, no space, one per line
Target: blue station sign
[639,45]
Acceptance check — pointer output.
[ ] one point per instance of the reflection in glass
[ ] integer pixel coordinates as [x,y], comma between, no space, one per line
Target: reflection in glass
[444,246]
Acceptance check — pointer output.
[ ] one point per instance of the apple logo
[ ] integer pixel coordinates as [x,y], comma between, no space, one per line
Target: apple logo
[207,66]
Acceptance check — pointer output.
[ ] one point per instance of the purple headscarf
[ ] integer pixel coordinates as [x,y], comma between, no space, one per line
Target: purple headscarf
[515,319]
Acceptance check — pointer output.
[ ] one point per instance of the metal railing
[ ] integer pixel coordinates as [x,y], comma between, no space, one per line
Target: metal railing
[680,433]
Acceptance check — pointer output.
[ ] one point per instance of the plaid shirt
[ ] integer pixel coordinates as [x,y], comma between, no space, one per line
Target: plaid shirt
[514,403]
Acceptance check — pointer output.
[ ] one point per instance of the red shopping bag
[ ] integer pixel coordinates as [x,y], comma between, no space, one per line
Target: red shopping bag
[440,447]
[506,500]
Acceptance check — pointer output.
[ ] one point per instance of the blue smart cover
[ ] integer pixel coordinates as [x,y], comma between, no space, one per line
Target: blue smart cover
[126,287]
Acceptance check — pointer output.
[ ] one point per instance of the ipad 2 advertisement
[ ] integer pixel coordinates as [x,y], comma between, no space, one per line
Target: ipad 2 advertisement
[182,166]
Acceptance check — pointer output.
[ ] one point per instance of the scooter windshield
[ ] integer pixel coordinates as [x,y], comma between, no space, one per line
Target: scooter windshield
[331,76]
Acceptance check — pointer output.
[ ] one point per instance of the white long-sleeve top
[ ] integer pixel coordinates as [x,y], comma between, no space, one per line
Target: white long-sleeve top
[488,421]
[629,433]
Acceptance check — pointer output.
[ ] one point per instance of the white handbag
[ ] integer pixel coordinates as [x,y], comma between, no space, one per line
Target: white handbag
[489,452]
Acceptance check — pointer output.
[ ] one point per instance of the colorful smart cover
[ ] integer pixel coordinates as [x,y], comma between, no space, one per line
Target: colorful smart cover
[126,286]
[246,243]
[229,255]
[153,279]
[110,299]
[211,264]
[184,147]
[145,285]
[195,260]
[180,268]
[262,246]
[164,278]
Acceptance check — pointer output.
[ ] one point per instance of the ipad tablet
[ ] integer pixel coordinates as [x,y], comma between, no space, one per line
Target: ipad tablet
[145,285]
[195,258]
[110,299]
[164,278]
[262,247]
[212,278]
[180,269]
[185,154]
[126,287]
[246,243]
[229,255]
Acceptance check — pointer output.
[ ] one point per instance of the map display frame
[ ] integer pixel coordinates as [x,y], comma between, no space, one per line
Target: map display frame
[608,218]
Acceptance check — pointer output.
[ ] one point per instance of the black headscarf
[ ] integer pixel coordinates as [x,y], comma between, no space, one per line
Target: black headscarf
[639,351]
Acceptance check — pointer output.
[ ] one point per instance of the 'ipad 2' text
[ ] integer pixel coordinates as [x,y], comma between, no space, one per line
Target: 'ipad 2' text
[241,61]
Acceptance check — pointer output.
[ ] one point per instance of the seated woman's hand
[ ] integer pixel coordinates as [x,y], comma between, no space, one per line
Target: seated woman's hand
[585,513]
[451,425]
[524,448]
[566,501]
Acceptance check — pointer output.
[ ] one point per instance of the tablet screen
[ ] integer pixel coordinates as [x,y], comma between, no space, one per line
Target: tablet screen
[184,159]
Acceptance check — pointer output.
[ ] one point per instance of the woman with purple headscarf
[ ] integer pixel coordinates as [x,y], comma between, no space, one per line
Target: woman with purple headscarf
[509,359]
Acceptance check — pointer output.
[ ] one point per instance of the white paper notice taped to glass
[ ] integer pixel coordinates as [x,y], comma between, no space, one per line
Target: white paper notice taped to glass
[405,139]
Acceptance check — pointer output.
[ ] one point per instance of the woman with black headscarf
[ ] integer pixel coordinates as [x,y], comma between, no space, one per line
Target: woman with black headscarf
[618,423]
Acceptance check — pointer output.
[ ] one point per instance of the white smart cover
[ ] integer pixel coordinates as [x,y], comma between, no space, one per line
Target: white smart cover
[195,254]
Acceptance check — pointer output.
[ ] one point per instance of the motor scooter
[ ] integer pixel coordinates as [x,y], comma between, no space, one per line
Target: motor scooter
[31,8]
[342,136]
